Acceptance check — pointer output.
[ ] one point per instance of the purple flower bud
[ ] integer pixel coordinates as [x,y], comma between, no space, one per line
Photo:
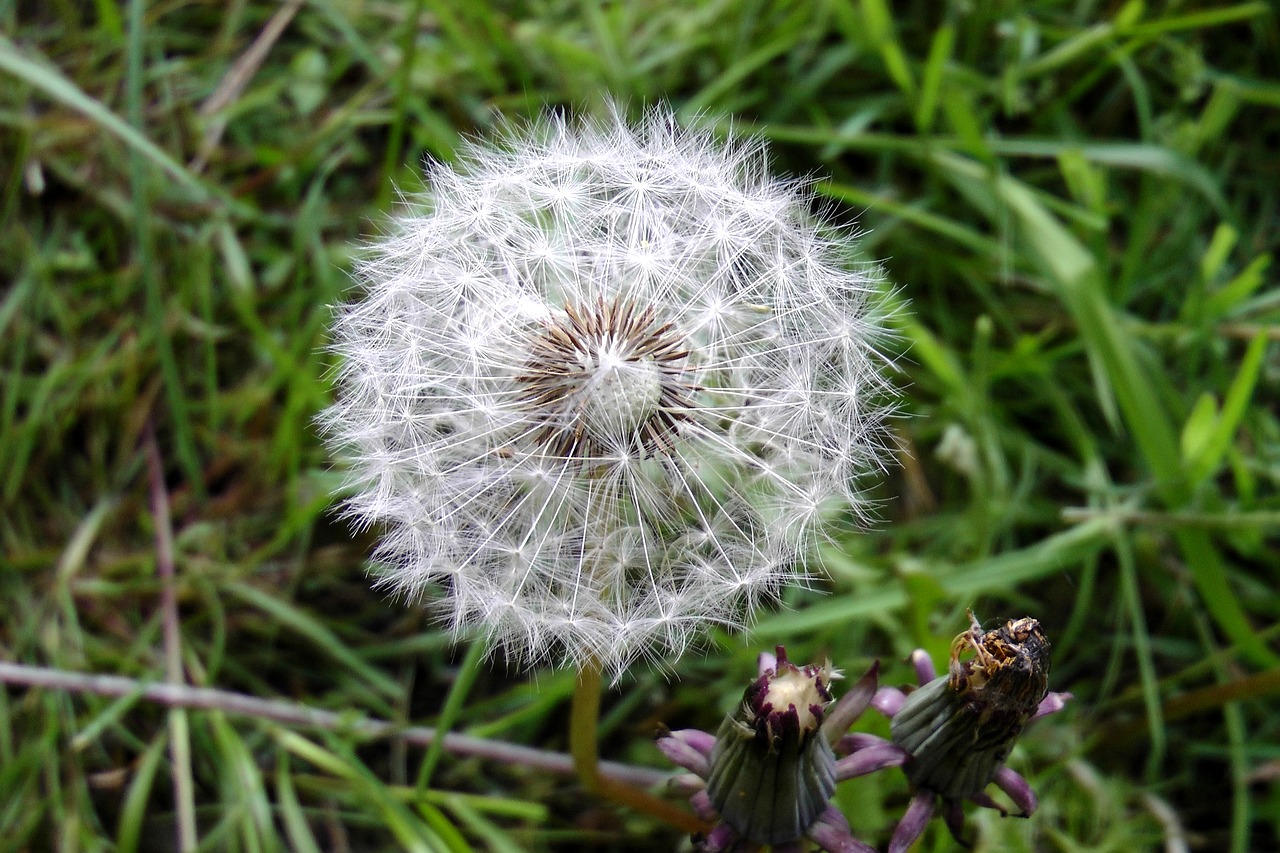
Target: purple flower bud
[771,772]
[771,769]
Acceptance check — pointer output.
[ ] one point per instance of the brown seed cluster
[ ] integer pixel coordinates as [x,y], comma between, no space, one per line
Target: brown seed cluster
[607,381]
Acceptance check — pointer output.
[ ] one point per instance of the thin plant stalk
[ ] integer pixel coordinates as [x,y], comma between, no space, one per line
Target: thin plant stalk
[179,730]
[584,724]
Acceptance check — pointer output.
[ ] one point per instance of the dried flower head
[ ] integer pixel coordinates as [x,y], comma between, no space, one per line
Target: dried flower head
[952,734]
[959,729]
[605,387]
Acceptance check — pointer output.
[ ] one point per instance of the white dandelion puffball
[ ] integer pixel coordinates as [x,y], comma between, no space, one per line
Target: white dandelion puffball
[605,387]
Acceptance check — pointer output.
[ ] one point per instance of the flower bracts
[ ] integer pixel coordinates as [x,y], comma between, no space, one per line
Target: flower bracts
[767,776]
[959,728]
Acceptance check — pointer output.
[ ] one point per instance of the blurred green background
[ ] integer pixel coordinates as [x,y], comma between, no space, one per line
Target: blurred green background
[1077,202]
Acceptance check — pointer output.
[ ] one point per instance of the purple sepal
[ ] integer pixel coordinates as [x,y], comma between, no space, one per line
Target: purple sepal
[722,838]
[679,750]
[953,815]
[913,822]
[766,662]
[983,799]
[870,760]
[851,705]
[1052,704]
[1018,789]
[702,807]
[831,833]
[855,741]
[888,701]
[923,665]
[703,742]
[685,784]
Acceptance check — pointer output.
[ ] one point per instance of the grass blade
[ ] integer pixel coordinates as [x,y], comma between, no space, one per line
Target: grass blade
[1071,268]
[52,82]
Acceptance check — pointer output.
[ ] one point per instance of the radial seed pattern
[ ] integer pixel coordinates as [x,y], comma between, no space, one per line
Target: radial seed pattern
[607,380]
[606,387]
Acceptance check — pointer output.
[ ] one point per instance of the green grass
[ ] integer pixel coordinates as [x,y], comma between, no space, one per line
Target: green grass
[1078,203]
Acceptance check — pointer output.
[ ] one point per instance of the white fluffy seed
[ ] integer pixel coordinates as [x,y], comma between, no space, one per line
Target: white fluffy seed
[605,387]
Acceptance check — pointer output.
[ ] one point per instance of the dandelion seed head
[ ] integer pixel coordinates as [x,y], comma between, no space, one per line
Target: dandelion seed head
[606,386]
[606,380]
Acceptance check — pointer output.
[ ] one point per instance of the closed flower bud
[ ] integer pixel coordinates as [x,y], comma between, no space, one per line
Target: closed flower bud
[768,775]
[772,772]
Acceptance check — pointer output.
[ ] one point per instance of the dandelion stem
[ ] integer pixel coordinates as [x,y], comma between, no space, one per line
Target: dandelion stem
[584,717]
[584,721]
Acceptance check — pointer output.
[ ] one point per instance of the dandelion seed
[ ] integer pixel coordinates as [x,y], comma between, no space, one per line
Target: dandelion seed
[606,386]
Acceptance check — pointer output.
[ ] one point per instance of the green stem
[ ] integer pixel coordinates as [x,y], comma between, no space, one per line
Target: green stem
[584,718]
[584,721]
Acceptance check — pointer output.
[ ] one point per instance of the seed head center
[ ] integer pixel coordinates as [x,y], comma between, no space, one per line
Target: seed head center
[606,380]
[620,395]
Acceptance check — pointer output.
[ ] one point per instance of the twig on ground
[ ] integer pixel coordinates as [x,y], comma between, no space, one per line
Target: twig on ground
[290,713]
